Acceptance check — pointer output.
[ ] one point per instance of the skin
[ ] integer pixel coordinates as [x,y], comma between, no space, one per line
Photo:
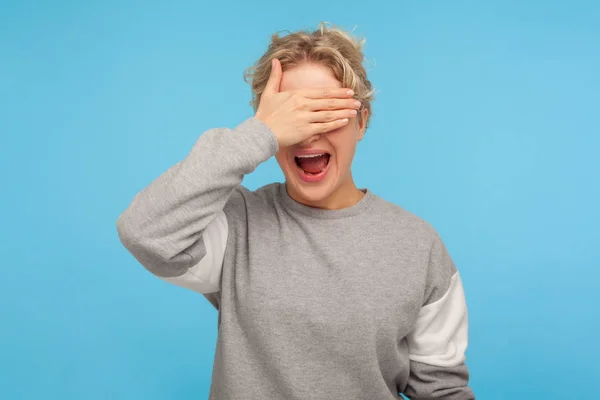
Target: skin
[338,189]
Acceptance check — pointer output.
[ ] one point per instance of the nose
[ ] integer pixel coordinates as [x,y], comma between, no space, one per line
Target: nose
[310,140]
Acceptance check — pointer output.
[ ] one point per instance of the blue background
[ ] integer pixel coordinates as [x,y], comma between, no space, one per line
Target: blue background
[486,124]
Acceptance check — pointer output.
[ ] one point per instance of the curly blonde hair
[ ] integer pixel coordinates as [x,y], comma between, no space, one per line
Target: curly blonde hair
[329,46]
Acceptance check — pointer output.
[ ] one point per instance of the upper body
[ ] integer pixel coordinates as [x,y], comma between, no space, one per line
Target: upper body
[323,290]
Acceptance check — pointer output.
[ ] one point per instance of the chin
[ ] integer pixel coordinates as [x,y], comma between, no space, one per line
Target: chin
[310,189]
[313,195]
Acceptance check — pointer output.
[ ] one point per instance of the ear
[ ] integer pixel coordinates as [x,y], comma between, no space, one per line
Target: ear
[362,125]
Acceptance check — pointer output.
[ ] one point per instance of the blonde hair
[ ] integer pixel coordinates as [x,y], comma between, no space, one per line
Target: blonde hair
[329,46]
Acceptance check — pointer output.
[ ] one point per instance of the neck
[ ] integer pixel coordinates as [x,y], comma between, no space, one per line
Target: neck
[344,196]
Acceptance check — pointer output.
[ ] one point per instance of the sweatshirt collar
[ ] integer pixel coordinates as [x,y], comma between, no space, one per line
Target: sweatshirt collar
[320,213]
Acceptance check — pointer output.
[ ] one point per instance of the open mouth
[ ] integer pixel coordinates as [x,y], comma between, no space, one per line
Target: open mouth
[313,164]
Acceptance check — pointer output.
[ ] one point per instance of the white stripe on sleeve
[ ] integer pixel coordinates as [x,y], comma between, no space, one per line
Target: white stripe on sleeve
[205,276]
[440,336]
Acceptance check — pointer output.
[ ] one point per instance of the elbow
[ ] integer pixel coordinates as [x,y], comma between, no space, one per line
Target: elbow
[133,240]
[128,234]
[148,252]
[135,233]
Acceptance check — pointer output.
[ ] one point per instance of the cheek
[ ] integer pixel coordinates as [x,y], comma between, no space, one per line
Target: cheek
[344,142]
[282,157]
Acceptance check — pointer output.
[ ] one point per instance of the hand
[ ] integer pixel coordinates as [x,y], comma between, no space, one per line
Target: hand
[296,116]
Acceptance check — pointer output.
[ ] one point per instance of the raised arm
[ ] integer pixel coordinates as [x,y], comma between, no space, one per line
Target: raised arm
[175,227]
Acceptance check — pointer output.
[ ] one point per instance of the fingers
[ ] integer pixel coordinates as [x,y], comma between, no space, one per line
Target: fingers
[326,93]
[274,81]
[329,116]
[332,104]
[324,127]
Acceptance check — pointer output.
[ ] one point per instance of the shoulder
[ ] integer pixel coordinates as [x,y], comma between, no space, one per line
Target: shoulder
[396,219]
[262,196]
[420,235]
[244,200]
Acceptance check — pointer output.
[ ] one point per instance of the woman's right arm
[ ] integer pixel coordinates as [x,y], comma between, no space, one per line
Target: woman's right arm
[175,227]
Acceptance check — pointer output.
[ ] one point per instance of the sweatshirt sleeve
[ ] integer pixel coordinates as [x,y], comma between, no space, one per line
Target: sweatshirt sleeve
[438,343]
[176,227]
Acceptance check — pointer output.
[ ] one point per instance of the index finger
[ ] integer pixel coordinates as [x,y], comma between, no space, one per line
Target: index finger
[326,93]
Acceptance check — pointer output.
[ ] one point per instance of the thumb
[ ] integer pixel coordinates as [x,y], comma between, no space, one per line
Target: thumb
[275,78]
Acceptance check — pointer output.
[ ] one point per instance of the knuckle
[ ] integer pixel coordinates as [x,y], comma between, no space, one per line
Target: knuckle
[331,104]
[326,93]
[329,115]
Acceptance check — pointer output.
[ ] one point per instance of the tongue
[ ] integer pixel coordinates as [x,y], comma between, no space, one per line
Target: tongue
[313,165]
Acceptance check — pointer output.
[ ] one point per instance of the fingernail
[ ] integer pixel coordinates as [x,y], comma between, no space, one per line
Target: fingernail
[357,103]
[350,92]
[353,112]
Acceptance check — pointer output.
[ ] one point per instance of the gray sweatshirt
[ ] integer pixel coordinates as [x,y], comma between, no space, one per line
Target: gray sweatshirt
[359,303]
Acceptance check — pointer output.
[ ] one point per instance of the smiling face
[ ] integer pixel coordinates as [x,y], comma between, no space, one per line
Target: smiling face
[321,181]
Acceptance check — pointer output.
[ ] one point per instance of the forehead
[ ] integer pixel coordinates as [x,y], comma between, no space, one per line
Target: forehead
[308,76]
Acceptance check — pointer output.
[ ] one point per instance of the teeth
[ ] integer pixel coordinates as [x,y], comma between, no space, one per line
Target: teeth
[311,155]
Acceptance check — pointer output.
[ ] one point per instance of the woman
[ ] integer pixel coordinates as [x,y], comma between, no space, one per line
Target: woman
[324,290]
